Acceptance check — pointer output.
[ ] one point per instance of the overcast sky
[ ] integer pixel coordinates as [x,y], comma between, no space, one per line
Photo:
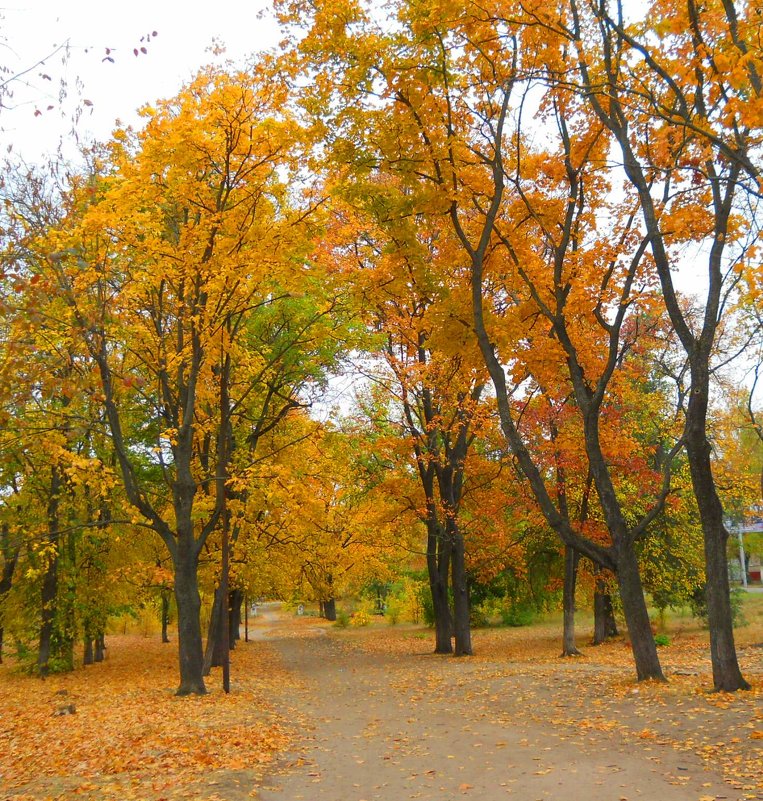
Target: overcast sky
[32,30]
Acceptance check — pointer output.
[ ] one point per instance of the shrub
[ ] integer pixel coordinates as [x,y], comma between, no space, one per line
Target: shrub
[342,619]
[661,640]
[394,610]
[698,606]
[517,616]
[360,618]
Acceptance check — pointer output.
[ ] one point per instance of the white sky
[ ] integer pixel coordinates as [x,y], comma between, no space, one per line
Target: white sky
[31,29]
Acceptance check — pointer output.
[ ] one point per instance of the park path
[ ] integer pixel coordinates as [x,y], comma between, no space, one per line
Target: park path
[383,728]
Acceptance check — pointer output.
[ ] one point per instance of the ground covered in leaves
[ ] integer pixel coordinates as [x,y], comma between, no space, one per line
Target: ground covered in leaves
[130,737]
[359,714]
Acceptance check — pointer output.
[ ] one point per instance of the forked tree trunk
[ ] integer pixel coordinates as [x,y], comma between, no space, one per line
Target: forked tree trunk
[571,559]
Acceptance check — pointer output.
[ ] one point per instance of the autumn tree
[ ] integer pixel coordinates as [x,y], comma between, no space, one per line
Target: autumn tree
[187,233]
[436,98]
[428,365]
[681,98]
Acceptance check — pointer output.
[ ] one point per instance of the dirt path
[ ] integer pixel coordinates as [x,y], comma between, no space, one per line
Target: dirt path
[424,727]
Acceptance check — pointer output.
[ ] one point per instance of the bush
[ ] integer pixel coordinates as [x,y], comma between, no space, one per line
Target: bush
[342,619]
[661,640]
[698,606]
[517,616]
[359,618]
[394,610]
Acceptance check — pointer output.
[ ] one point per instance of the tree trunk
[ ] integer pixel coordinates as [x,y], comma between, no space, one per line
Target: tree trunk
[235,600]
[165,615]
[727,676]
[10,560]
[88,658]
[637,616]
[213,652]
[461,623]
[246,618]
[329,609]
[189,625]
[100,647]
[322,609]
[604,623]
[50,579]
[571,559]
[438,569]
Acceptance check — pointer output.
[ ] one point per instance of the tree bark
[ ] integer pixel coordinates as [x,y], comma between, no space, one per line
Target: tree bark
[165,615]
[604,623]
[88,657]
[10,560]
[189,625]
[50,579]
[438,570]
[100,647]
[246,618]
[213,652]
[571,559]
[329,609]
[727,675]
[235,600]
[461,622]
[637,617]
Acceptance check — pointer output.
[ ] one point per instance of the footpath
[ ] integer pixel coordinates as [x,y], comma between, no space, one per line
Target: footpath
[374,727]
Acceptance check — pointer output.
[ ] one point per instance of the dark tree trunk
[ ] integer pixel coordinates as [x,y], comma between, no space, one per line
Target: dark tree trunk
[461,622]
[727,676]
[10,560]
[604,623]
[100,647]
[438,569]
[329,609]
[165,615]
[88,657]
[571,559]
[50,579]
[637,617]
[235,600]
[246,618]
[213,652]
[189,625]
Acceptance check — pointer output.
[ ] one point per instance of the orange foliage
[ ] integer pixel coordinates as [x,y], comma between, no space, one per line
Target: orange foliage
[129,736]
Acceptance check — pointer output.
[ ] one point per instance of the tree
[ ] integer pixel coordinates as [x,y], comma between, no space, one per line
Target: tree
[188,232]
[429,102]
[683,110]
